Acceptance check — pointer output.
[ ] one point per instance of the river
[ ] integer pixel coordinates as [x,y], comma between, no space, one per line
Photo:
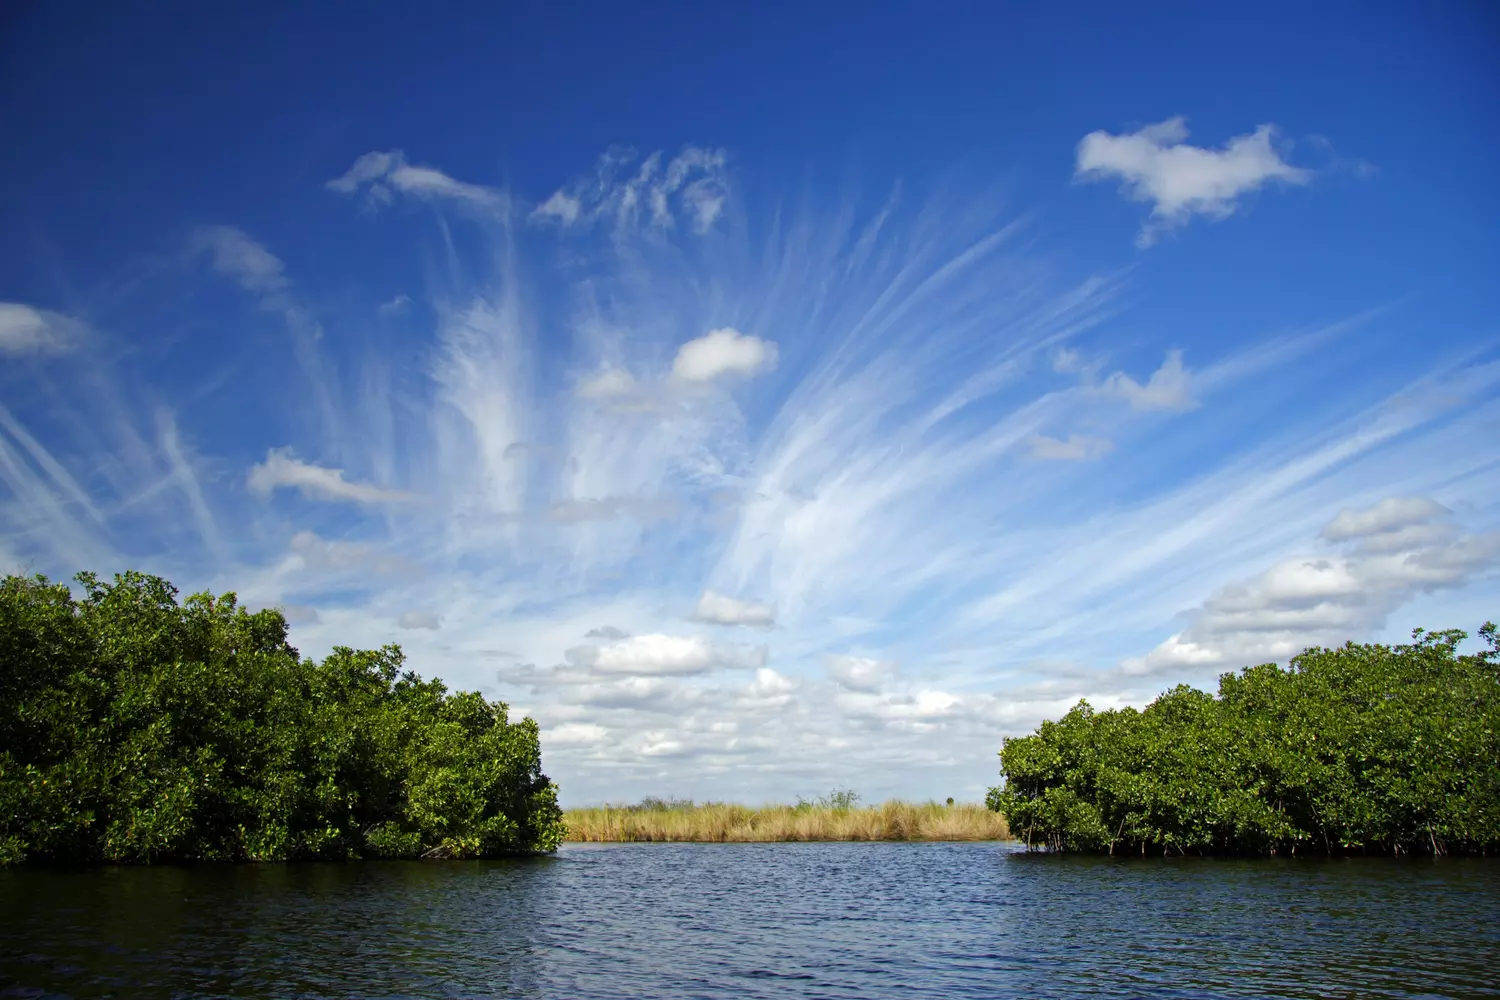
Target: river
[760,920]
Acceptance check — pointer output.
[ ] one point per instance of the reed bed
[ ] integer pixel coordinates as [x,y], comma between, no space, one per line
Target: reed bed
[717,822]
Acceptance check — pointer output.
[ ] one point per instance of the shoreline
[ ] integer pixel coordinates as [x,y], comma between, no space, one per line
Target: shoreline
[719,822]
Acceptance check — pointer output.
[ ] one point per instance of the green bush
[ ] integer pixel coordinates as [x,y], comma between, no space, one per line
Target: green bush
[136,730]
[1357,749]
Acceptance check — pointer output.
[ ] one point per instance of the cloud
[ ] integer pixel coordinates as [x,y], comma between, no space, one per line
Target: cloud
[769,688]
[381,174]
[317,553]
[721,610]
[27,330]
[1401,547]
[1077,448]
[574,734]
[419,619]
[562,207]
[1169,388]
[658,655]
[300,614]
[1390,515]
[606,632]
[394,307]
[693,185]
[314,481]
[1156,165]
[609,384]
[723,352]
[859,673]
[237,256]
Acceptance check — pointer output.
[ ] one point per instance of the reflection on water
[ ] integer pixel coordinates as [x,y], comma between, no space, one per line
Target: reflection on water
[760,920]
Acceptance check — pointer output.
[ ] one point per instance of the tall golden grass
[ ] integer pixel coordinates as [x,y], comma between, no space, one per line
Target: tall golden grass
[717,822]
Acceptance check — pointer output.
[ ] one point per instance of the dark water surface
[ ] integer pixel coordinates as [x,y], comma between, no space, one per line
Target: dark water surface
[760,920]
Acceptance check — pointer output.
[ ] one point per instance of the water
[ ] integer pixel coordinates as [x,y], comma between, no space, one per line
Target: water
[760,920]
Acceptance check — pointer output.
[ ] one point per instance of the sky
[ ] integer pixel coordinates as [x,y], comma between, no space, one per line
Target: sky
[764,398]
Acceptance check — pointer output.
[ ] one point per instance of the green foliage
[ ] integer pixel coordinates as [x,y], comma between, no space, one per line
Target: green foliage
[137,730]
[1360,748]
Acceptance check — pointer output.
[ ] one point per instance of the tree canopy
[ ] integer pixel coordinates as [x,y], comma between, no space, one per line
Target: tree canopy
[1361,748]
[134,729]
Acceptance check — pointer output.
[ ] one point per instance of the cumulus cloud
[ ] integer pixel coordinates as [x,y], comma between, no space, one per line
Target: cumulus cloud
[419,619]
[769,688]
[859,673]
[1169,388]
[1157,165]
[1077,448]
[718,609]
[1394,550]
[723,352]
[383,174]
[574,734]
[657,654]
[27,330]
[280,469]
[1391,515]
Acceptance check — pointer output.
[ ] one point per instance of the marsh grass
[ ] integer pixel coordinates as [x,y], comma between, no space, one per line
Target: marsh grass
[717,822]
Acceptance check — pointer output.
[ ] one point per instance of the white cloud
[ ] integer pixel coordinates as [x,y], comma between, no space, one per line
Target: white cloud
[562,207]
[721,610]
[723,352]
[419,619]
[27,330]
[369,167]
[658,655]
[313,563]
[609,384]
[1326,599]
[236,255]
[1077,448]
[1157,165]
[1390,515]
[693,184]
[574,734]
[770,689]
[1169,388]
[394,307]
[859,673]
[314,481]
[382,173]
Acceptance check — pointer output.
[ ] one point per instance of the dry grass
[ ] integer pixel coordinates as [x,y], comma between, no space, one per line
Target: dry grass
[718,823]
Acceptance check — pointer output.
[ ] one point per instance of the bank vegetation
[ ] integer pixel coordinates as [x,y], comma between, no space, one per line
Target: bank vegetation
[1361,749]
[717,822]
[136,729]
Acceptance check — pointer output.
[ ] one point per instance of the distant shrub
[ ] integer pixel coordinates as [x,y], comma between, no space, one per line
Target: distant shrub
[1360,748]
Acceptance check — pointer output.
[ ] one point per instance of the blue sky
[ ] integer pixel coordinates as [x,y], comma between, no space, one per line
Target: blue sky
[764,398]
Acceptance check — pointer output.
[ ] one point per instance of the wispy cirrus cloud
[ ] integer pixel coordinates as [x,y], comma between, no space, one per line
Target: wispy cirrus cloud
[627,190]
[1156,164]
[382,175]
[827,428]
[27,330]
